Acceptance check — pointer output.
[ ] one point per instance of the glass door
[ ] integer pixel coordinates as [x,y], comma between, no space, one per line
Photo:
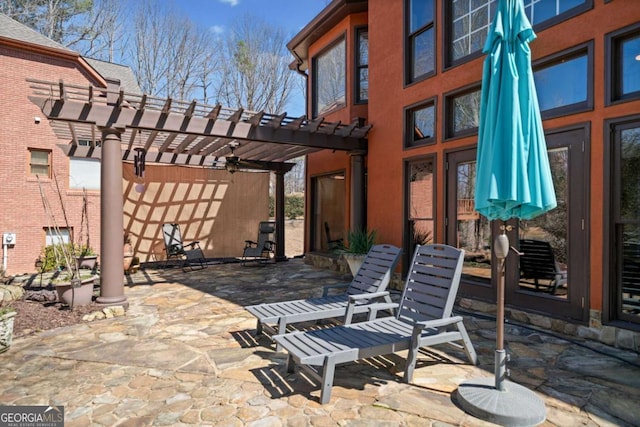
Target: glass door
[551,275]
[466,229]
[328,192]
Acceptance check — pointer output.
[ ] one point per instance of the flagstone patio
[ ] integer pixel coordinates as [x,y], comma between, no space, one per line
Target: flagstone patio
[186,354]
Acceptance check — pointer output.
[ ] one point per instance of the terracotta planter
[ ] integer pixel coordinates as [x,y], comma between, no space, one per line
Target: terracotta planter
[355,261]
[6,330]
[76,295]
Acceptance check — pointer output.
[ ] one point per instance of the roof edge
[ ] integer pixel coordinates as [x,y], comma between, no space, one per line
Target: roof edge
[326,19]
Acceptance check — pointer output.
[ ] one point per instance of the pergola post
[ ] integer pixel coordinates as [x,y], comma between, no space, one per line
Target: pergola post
[111,220]
[357,220]
[279,211]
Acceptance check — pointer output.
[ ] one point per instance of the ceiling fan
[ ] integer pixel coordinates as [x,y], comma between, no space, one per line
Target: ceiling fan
[233,163]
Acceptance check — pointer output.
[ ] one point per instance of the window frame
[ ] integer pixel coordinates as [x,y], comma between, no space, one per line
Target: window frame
[30,163]
[406,165]
[448,121]
[357,66]
[612,60]
[409,36]
[342,38]
[447,57]
[610,294]
[409,142]
[583,49]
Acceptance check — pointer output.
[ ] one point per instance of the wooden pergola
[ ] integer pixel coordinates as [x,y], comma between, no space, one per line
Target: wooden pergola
[111,125]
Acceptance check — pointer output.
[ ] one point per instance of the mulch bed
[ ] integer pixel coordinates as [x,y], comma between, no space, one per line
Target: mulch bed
[35,316]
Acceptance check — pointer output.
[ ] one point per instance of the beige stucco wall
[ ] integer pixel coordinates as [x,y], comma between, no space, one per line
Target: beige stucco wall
[219,209]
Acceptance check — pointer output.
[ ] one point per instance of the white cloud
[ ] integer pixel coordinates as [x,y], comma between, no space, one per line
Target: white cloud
[230,2]
[216,29]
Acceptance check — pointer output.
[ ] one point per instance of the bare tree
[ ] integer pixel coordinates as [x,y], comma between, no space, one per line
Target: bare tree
[255,73]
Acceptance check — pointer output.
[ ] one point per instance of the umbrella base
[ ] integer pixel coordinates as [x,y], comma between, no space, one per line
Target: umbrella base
[514,406]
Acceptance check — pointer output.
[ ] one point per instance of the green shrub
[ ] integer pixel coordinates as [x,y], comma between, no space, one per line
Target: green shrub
[293,206]
[52,256]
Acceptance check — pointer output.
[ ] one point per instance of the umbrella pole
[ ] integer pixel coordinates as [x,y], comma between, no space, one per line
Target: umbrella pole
[496,399]
[501,248]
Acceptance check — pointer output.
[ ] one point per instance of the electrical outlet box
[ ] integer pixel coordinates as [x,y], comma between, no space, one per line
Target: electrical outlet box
[9,239]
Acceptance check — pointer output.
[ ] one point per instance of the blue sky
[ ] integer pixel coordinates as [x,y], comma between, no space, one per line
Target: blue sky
[291,15]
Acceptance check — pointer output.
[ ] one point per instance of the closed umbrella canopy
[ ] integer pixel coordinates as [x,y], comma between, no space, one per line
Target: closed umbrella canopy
[513,175]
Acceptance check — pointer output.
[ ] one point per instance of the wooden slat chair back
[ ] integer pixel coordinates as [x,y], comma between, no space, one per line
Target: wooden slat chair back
[432,284]
[375,273]
[423,319]
[538,262]
[367,287]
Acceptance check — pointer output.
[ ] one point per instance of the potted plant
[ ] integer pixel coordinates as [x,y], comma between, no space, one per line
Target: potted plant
[85,257]
[74,289]
[359,243]
[7,316]
[128,252]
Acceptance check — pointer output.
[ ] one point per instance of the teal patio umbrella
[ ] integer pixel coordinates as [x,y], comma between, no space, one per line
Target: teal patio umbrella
[513,180]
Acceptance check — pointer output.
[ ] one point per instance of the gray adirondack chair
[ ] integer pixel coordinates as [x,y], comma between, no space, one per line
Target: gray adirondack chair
[423,319]
[368,286]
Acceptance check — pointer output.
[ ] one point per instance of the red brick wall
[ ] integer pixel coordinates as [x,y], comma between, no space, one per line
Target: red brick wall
[22,209]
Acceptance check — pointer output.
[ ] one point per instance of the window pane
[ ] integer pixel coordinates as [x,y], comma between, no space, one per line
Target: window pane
[630,175]
[39,162]
[39,157]
[84,173]
[466,111]
[474,232]
[363,48]
[56,236]
[423,54]
[562,84]
[40,170]
[421,188]
[470,26]
[424,122]
[421,14]
[540,10]
[543,267]
[363,94]
[630,275]
[330,78]
[630,66]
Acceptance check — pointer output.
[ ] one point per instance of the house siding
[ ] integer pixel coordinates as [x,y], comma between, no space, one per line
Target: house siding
[389,95]
[23,211]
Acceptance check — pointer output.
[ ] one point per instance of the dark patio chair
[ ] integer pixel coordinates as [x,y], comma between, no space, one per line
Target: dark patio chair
[189,255]
[538,262]
[332,243]
[264,248]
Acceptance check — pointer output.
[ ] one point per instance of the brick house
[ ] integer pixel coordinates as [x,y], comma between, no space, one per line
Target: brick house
[412,69]
[31,163]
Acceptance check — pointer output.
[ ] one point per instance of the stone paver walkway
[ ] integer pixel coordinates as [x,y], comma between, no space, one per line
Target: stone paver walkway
[185,354]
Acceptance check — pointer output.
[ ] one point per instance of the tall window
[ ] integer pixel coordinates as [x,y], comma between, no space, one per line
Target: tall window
[564,82]
[420,190]
[623,73]
[362,65]
[420,39]
[329,79]
[625,201]
[40,162]
[420,124]
[468,22]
